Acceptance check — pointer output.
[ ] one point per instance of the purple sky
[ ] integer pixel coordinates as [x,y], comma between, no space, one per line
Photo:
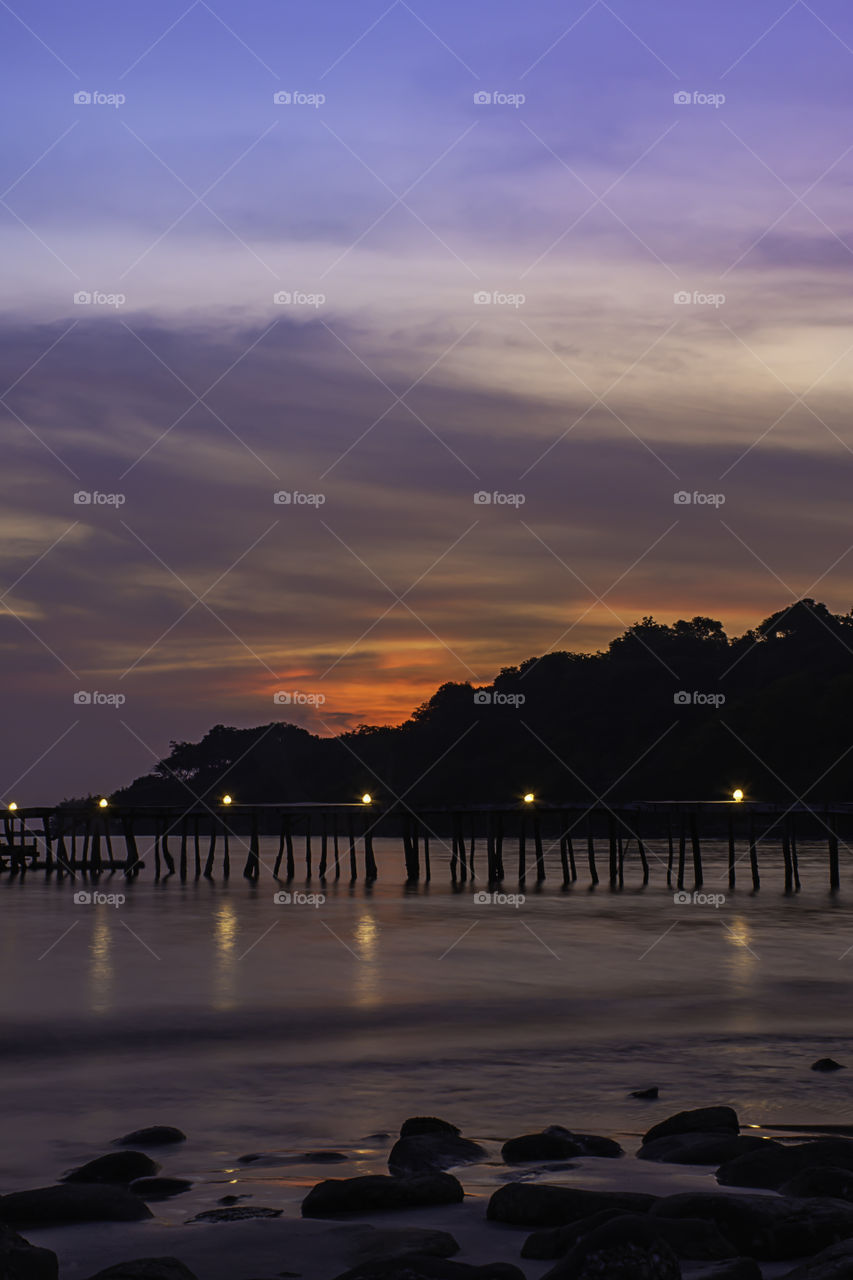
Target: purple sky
[382,199]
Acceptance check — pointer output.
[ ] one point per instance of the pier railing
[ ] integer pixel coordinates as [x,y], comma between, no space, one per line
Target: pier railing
[489,843]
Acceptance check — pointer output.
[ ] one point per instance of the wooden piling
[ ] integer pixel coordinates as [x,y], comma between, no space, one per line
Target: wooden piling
[753,854]
[211,851]
[834,876]
[537,847]
[590,849]
[698,879]
[682,848]
[732,858]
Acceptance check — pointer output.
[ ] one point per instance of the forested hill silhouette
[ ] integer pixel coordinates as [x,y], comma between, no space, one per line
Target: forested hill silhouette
[606,724]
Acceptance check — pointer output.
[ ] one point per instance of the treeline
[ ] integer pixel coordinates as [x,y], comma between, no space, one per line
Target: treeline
[770,711]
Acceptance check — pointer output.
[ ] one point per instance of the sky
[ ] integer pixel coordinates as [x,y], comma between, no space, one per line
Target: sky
[352,348]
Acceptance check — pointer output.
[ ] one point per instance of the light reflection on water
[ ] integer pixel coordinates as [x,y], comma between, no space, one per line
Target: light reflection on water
[512,1016]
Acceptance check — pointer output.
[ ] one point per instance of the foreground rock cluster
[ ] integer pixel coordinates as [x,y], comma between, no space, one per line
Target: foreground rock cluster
[779,1202]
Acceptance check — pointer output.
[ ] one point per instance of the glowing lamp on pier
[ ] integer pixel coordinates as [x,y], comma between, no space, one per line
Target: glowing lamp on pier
[737,795]
[367,798]
[12,807]
[529,797]
[102,803]
[226,799]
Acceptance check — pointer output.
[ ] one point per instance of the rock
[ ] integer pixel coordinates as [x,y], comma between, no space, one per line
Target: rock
[159,1188]
[702,1120]
[771,1164]
[323,1157]
[690,1238]
[374,1243]
[417,1125]
[630,1247]
[700,1148]
[120,1167]
[72,1202]
[156,1135]
[521,1204]
[429,1152]
[646,1094]
[736,1269]
[416,1267]
[590,1144]
[232,1199]
[834,1263]
[20,1260]
[241,1214]
[376,1192]
[557,1143]
[827,1064]
[820,1181]
[538,1146]
[147,1269]
[772,1228]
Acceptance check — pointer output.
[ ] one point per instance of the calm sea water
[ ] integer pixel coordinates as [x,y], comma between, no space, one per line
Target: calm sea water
[263,1026]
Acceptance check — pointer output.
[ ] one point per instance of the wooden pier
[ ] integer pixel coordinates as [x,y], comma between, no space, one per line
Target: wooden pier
[488,843]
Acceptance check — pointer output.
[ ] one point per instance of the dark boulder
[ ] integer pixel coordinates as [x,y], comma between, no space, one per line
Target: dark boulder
[629,1248]
[771,1228]
[372,1244]
[119,1167]
[702,1120]
[71,1202]
[539,1146]
[159,1188]
[647,1095]
[736,1269]
[695,1239]
[156,1135]
[521,1204]
[417,1125]
[147,1269]
[834,1263]
[20,1260]
[699,1148]
[376,1192]
[827,1064]
[415,1267]
[820,1181]
[590,1144]
[240,1214]
[428,1152]
[323,1157]
[772,1164]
